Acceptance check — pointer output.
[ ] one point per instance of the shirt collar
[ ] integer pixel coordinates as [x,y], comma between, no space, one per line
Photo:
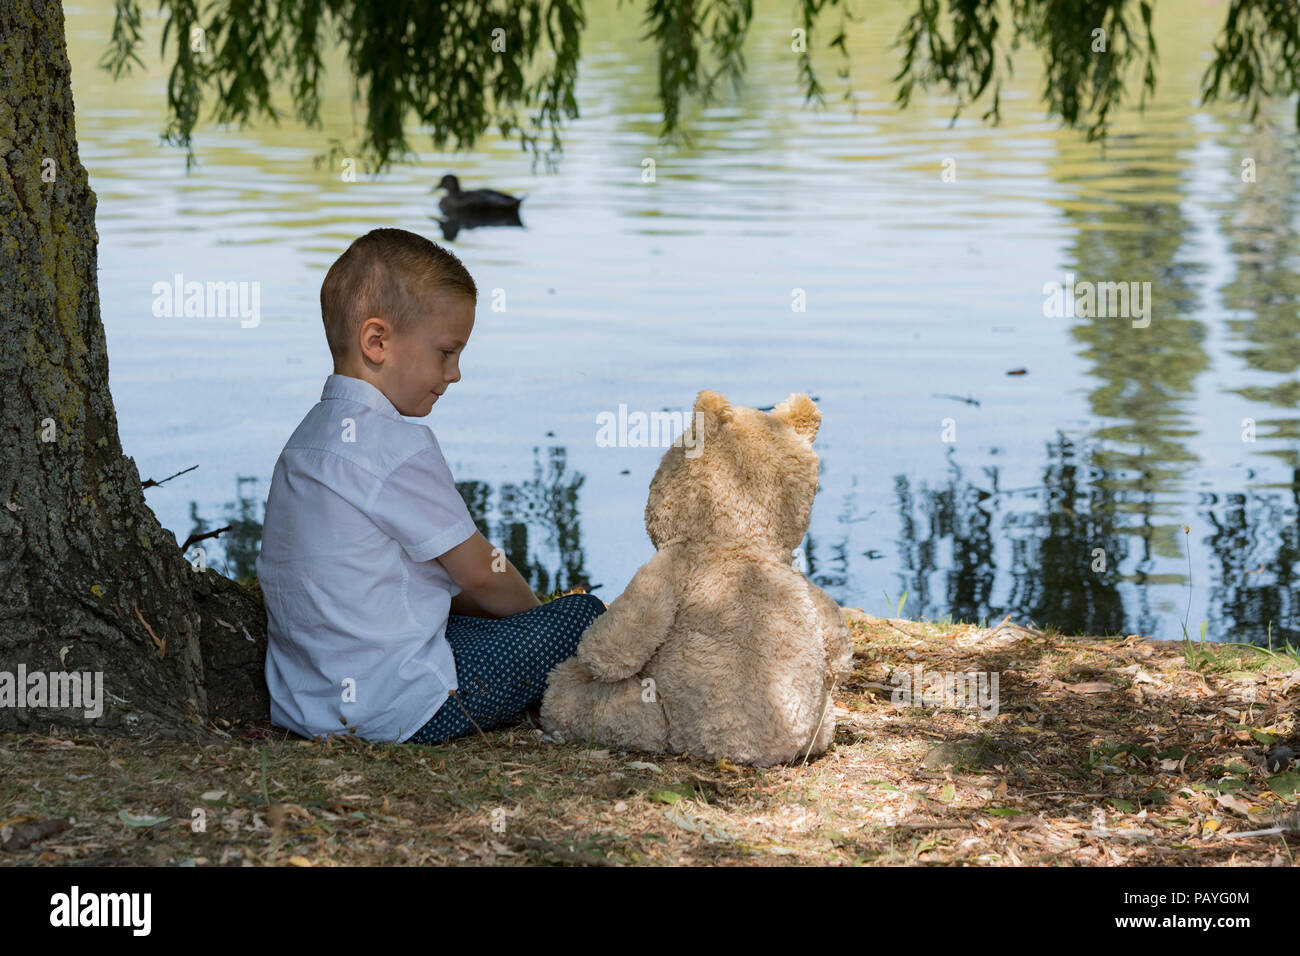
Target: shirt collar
[356,390]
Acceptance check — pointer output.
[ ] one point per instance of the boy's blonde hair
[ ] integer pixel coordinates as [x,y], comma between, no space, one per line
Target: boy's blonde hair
[390,273]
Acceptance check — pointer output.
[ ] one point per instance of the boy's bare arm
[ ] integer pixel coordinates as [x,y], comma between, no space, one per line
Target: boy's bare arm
[488,578]
[466,606]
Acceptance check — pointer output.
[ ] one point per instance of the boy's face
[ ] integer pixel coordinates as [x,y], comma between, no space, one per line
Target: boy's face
[425,357]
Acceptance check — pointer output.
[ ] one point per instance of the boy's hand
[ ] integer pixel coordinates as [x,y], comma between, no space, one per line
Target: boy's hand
[488,578]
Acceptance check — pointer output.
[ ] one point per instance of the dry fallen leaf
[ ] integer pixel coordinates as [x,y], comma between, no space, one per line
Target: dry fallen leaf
[1091,687]
[1235,804]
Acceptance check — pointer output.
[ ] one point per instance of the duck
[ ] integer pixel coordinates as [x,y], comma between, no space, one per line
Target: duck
[458,203]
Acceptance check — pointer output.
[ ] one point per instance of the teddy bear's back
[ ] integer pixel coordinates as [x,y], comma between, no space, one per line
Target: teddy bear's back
[742,673]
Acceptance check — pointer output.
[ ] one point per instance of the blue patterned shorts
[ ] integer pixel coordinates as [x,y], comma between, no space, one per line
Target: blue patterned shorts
[502,663]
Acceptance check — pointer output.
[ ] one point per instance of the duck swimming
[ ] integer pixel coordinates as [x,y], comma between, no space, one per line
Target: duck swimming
[459,203]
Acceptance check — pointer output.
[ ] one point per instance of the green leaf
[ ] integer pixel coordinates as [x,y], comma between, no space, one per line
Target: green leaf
[1124,806]
[1004,811]
[664,796]
[712,832]
[1286,785]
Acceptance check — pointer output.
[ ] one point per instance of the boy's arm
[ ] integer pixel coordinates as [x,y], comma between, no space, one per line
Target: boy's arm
[466,606]
[488,578]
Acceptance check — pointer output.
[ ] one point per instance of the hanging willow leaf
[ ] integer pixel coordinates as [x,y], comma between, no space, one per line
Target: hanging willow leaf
[460,67]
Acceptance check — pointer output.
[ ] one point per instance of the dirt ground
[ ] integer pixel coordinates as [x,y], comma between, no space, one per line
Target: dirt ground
[1102,752]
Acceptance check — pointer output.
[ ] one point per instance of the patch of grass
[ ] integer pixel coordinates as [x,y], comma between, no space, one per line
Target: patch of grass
[889,604]
[1287,655]
[1197,657]
[1154,757]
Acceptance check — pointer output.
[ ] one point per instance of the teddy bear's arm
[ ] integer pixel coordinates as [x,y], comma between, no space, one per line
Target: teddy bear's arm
[836,636]
[620,641]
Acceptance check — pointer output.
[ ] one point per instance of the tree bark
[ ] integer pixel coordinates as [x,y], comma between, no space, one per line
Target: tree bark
[89,581]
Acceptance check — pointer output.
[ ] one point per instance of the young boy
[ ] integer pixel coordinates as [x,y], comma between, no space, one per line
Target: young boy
[390,615]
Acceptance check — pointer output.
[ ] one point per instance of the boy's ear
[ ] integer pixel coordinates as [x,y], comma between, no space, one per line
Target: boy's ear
[373,338]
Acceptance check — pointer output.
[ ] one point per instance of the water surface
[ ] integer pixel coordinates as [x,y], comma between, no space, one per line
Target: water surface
[920,294]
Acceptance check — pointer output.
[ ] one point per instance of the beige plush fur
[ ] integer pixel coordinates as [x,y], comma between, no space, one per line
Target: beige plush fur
[718,647]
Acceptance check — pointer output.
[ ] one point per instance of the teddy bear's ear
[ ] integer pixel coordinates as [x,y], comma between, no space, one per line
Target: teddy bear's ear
[801,414]
[712,405]
[712,414]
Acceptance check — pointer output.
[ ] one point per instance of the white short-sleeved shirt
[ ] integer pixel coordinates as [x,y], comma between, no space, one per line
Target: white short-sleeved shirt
[361,502]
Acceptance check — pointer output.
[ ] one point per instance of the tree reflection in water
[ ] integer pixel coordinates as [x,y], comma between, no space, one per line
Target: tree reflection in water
[535,522]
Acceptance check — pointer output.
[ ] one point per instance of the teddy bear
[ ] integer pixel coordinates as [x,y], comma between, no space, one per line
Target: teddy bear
[718,647]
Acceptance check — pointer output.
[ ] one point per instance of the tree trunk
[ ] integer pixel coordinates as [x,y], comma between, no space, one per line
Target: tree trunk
[89,581]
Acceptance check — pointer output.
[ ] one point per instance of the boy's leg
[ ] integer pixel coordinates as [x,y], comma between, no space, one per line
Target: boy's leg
[502,663]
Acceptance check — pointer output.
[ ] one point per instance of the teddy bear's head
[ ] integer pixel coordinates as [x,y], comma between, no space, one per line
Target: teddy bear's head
[738,474]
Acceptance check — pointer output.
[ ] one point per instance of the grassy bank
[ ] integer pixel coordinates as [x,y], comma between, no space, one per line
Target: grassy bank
[1101,753]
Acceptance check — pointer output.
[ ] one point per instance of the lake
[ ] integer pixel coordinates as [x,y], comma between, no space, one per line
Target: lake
[1058,494]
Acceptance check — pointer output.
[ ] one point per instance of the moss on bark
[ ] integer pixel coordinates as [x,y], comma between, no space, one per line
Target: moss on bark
[89,581]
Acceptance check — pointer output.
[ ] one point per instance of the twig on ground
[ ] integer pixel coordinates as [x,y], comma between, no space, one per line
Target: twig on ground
[899,629]
[941,825]
[456,697]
